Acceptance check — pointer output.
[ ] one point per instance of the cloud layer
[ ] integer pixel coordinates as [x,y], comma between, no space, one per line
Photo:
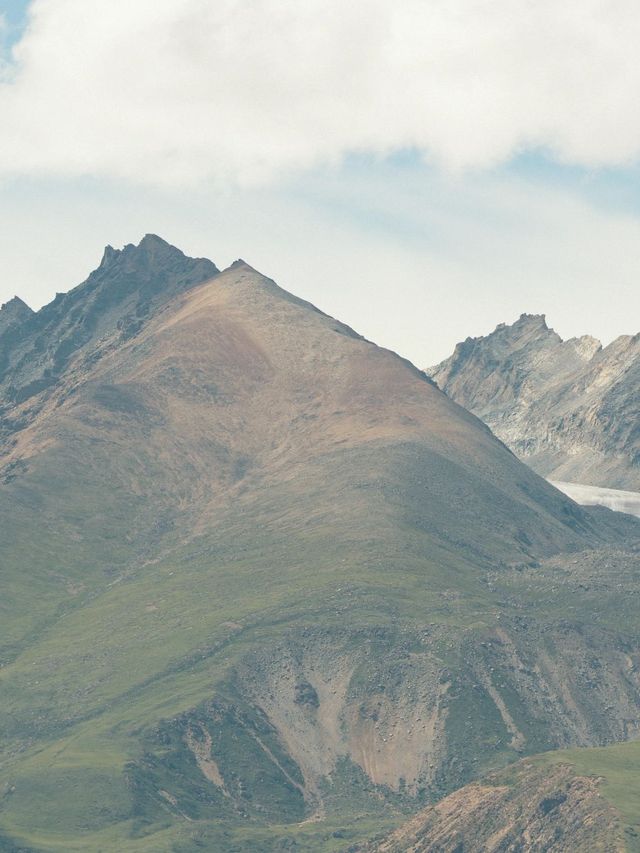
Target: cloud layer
[182,91]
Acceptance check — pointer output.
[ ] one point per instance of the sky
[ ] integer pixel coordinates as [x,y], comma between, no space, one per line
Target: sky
[422,169]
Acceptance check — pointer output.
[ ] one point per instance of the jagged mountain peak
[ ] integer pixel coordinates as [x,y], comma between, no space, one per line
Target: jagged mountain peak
[239,263]
[113,304]
[529,327]
[152,253]
[16,306]
[531,321]
[521,341]
[14,314]
[567,407]
[15,310]
[150,241]
[534,320]
[586,346]
[109,256]
[533,328]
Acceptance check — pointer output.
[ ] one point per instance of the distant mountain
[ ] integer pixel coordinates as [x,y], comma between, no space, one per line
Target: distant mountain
[263,586]
[570,409]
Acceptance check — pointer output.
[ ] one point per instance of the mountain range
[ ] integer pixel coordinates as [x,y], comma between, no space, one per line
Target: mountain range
[266,587]
[568,408]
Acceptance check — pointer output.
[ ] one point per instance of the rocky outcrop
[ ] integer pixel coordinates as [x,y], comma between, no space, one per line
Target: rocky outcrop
[568,408]
[14,314]
[381,709]
[528,809]
[111,306]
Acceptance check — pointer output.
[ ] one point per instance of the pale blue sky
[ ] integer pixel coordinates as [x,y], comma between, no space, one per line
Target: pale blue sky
[416,247]
[14,12]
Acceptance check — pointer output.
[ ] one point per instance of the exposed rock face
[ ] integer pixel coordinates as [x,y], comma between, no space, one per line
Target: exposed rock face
[13,314]
[529,810]
[36,348]
[383,704]
[568,408]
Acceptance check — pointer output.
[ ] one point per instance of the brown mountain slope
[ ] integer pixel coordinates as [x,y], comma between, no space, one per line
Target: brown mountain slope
[568,408]
[237,393]
[529,809]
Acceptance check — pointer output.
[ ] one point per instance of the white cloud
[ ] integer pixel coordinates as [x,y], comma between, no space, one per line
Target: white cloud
[3,37]
[183,94]
[180,91]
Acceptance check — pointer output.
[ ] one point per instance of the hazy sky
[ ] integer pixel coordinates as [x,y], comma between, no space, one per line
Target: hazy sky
[423,169]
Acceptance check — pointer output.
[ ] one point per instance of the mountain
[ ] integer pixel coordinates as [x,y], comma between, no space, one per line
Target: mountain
[569,408]
[264,586]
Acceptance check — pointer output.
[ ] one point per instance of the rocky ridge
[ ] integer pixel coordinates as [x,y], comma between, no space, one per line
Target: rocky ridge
[111,306]
[528,809]
[568,408]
